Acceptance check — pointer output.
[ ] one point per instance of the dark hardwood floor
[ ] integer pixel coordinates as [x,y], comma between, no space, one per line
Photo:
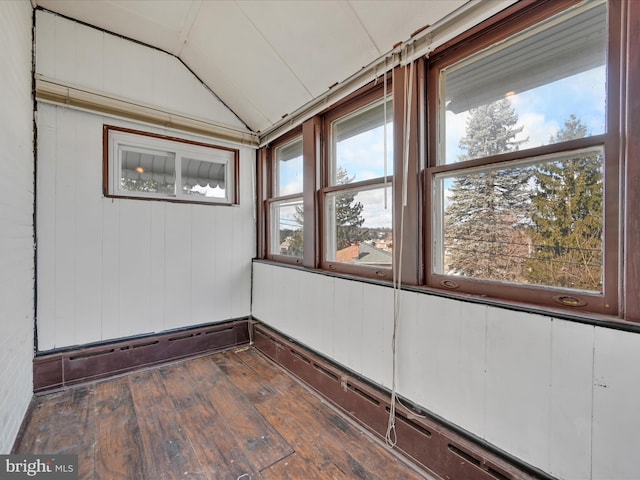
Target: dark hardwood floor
[232,415]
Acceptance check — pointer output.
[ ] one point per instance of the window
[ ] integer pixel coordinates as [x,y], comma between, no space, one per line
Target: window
[327,189]
[148,166]
[357,199]
[525,164]
[518,178]
[285,207]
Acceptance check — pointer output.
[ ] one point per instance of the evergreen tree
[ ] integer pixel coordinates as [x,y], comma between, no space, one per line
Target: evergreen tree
[349,220]
[567,222]
[291,239]
[296,237]
[484,222]
[151,185]
[348,213]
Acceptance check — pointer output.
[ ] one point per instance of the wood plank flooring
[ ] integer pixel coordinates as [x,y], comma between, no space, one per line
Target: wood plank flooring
[232,415]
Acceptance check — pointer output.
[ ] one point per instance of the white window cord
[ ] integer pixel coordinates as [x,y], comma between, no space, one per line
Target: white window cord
[391,437]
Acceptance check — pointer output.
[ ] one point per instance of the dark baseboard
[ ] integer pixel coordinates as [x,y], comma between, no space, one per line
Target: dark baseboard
[70,367]
[435,445]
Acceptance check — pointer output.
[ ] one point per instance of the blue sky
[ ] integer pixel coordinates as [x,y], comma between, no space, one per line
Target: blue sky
[542,111]
[361,156]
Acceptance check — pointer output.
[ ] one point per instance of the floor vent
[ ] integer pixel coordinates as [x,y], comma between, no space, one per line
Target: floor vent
[357,390]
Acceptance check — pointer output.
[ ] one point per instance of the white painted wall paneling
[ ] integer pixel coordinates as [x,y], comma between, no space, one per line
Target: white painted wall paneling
[46,188]
[543,389]
[616,395]
[16,219]
[259,296]
[571,406]
[134,266]
[85,57]
[343,324]
[109,276]
[518,377]
[88,221]
[64,233]
[376,333]
[448,347]
[110,268]
[113,268]
[178,264]
[311,306]
[202,285]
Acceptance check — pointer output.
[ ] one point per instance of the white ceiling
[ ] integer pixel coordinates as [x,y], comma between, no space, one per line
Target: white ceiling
[264,58]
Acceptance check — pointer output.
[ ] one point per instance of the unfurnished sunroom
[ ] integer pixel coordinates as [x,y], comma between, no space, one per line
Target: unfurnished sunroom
[351,239]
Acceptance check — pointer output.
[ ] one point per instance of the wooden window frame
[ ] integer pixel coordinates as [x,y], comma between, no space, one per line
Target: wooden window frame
[514,20]
[630,172]
[363,98]
[176,145]
[270,197]
[622,175]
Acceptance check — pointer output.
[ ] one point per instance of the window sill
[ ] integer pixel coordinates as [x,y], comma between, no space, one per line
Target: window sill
[172,200]
[284,259]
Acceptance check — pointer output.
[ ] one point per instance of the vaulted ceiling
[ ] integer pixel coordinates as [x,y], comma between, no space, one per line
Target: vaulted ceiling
[264,58]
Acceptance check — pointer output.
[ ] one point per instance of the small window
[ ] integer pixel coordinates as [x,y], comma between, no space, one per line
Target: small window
[285,206]
[148,166]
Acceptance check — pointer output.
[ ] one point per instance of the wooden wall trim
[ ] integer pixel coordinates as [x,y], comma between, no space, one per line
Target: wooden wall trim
[83,364]
[312,145]
[631,152]
[262,193]
[411,260]
[431,442]
[56,92]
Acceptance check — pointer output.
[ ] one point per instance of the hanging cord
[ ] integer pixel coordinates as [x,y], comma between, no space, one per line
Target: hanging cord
[384,123]
[391,437]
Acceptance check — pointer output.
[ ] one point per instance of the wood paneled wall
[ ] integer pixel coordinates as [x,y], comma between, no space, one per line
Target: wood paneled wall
[557,394]
[16,218]
[112,268]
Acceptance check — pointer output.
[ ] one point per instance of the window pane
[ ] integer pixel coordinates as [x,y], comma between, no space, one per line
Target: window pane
[517,94]
[287,222]
[289,177]
[538,222]
[359,226]
[147,166]
[357,148]
[203,178]
[147,171]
